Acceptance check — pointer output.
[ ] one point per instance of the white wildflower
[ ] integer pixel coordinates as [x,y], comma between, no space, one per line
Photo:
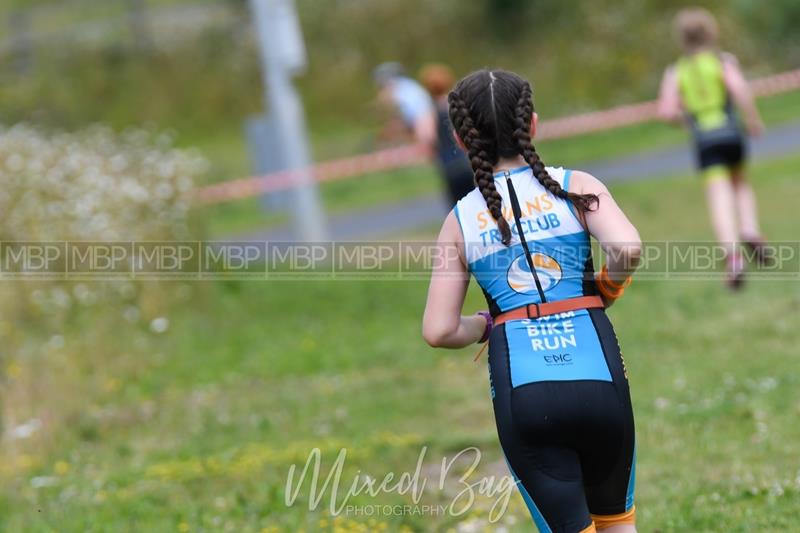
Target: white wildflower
[26,430]
[159,325]
[39,482]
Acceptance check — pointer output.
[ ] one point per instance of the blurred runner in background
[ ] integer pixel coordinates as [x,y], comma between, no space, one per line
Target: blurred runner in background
[453,164]
[703,88]
[413,107]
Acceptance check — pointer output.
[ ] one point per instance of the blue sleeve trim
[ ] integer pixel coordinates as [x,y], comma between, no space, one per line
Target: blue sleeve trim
[565,186]
[460,227]
[567,174]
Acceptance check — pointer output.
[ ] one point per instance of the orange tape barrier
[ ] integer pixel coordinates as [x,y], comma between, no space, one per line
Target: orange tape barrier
[388,159]
[412,155]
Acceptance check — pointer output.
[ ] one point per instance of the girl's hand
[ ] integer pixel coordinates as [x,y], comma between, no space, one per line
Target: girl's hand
[609,289]
[487,326]
[607,302]
[755,128]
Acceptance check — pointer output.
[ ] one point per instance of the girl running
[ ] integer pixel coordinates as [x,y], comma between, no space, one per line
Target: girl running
[558,383]
[703,86]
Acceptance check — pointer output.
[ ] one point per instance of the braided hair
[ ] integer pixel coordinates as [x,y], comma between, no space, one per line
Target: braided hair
[491,113]
[482,154]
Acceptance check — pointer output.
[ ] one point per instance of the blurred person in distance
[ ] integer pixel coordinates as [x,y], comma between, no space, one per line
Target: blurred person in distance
[453,164]
[411,106]
[703,88]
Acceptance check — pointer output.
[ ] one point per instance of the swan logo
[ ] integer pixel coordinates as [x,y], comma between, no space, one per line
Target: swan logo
[520,278]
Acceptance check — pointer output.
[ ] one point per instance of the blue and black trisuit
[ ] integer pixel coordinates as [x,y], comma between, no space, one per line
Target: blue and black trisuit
[558,382]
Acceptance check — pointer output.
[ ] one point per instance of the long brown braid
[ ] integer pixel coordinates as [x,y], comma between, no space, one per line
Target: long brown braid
[491,114]
[523,114]
[482,154]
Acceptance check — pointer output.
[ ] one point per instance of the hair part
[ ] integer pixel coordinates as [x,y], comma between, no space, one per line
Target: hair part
[696,28]
[491,112]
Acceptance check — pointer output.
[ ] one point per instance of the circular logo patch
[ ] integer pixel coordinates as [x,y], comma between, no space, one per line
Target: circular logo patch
[521,280]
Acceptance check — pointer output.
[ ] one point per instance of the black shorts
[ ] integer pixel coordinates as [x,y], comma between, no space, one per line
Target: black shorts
[728,154]
[569,444]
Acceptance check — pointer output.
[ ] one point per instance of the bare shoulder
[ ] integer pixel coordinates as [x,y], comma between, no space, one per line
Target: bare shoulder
[451,235]
[669,73]
[584,183]
[451,230]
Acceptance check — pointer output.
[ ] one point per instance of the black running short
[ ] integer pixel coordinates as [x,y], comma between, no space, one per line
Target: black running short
[730,154]
[569,443]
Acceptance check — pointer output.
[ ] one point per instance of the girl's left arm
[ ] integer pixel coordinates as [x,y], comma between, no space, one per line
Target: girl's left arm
[742,94]
[442,325]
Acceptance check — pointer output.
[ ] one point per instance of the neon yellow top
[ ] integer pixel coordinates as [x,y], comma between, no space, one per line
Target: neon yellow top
[702,87]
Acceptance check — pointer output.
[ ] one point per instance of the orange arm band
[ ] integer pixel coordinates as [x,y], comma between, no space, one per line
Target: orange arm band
[609,288]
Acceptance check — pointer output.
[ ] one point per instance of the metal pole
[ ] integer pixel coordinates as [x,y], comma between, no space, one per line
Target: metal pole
[19,26]
[283,56]
[137,19]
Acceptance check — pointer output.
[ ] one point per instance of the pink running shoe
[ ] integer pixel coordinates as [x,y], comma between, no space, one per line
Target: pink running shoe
[735,271]
[760,251]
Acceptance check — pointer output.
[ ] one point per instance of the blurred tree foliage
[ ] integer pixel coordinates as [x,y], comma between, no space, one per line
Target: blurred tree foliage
[777,24]
[579,54]
[175,87]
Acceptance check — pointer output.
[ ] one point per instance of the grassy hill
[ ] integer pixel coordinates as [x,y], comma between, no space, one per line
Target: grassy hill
[194,429]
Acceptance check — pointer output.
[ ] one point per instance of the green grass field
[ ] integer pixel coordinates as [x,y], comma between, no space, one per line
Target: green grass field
[229,157]
[198,433]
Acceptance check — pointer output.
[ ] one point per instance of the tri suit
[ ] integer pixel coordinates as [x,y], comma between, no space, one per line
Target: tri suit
[717,134]
[558,383]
